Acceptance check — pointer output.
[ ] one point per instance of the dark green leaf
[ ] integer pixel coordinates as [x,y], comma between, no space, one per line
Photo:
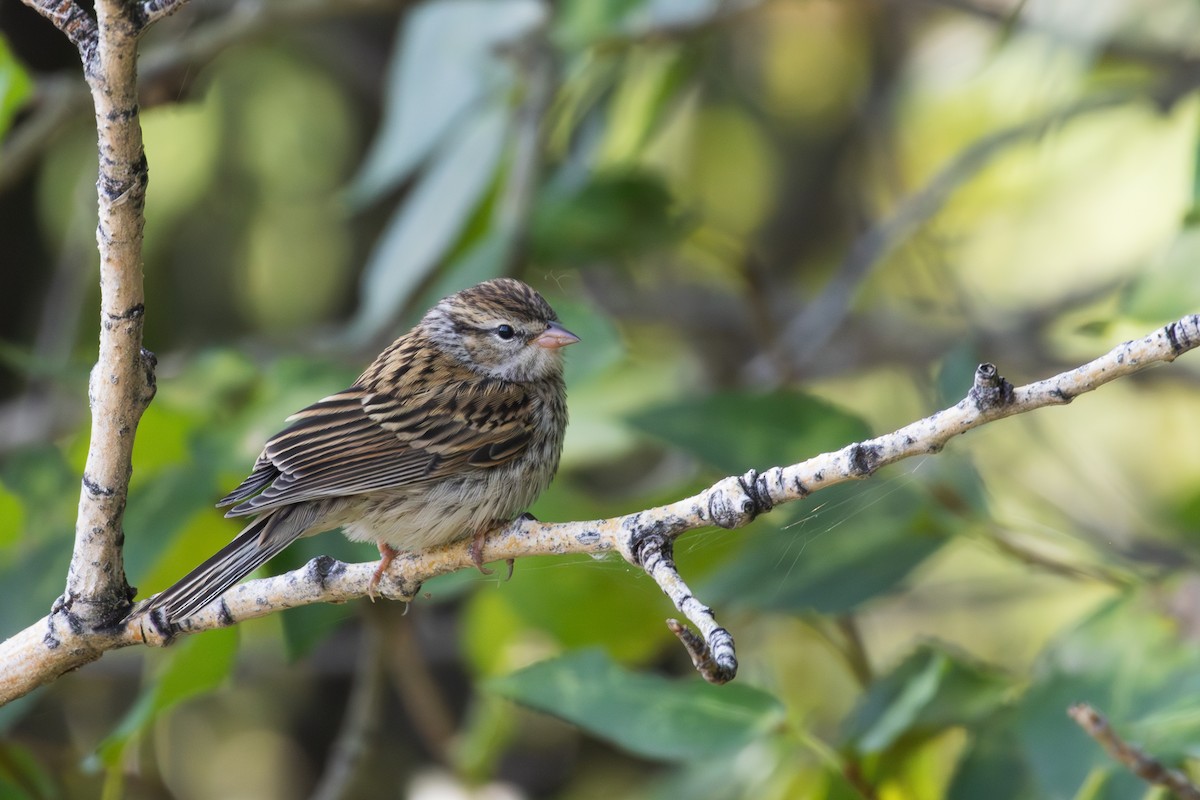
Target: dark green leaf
[632,626]
[737,431]
[853,543]
[48,488]
[1128,662]
[994,766]
[305,627]
[160,508]
[646,714]
[930,691]
[956,374]
[612,215]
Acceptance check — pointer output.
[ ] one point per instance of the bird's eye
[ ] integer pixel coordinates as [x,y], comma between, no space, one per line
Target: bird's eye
[505,332]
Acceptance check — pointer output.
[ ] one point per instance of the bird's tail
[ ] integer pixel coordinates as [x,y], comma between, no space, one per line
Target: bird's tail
[260,541]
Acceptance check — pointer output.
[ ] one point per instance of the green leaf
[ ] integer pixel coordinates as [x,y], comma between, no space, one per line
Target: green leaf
[480,254]
[994,768]
[579,22]
[646,714]
[735,431]
[1167,288]
[12,516]
[42,496]
[447,63]
[22,776]
[956,373]
[305,627]
[1128,661]
[196,666]
[600,344]
[632,627]
[426,225]
[864,542]
[652,83]
[15,86]
[159,509]
[613,215]
[930,691]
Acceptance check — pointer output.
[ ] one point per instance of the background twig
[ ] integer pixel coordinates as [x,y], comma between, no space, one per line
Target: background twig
[1145,767]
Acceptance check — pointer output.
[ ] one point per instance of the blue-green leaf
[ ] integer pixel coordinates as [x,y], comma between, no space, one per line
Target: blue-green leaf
[447,63]
[426,226]
[930,691]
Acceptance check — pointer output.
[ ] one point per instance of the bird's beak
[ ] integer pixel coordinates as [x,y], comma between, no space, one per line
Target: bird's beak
[554,337]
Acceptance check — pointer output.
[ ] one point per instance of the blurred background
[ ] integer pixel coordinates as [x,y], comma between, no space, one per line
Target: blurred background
[779,227]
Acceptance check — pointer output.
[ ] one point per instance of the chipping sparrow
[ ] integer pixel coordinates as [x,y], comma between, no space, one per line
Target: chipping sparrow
[453,431]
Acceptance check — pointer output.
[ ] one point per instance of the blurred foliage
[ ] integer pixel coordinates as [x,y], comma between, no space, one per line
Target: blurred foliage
[778,227]
[15,86]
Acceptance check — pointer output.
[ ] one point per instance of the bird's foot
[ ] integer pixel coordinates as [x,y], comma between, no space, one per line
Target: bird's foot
[476,551]
[387,554]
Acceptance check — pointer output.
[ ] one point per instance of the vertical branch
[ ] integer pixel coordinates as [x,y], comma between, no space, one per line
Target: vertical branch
[122,382]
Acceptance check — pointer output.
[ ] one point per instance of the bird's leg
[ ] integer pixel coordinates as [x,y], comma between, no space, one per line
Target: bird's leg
[476,548]
[386,555]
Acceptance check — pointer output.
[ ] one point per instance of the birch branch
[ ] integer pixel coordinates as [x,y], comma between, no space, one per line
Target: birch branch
[48,648]
[122,382]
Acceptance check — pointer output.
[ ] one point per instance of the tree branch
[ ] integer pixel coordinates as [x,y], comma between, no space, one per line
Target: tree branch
[1148,768]
[70,18]
[152,11]
[48,648]
[59,101]
[361,719]
[810,330]
[122,382]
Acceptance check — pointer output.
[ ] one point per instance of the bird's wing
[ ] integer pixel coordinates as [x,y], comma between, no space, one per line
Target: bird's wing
[360,440]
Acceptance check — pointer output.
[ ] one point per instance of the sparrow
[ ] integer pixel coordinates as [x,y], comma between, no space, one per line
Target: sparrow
[453,431]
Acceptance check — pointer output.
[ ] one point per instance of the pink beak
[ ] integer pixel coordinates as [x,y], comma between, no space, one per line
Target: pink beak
[554,337]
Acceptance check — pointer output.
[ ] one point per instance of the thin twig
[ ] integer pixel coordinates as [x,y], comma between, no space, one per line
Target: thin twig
[535,59]
[811,329]
[1146,54]
[412,680]
[360,723]
[154,10]
[75,23]
[59,100]
[1146,767]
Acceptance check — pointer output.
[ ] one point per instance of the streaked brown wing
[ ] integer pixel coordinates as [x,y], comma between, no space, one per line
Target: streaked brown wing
[360,441]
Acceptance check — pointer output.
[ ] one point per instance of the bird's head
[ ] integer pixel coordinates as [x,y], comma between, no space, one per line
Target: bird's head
[501,328]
